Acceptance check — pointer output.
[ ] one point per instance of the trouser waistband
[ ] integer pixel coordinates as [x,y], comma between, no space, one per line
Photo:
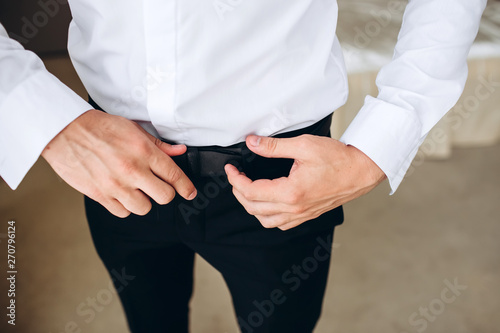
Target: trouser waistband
[209,161]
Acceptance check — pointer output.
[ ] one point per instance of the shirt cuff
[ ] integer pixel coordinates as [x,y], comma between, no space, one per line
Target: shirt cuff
[31,115]
[387,134]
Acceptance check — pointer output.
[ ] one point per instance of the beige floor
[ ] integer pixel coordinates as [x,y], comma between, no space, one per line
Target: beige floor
[392,257]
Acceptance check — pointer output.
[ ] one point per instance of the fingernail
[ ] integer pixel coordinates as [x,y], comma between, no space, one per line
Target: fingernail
[192,195]
[177,146]
[254,140]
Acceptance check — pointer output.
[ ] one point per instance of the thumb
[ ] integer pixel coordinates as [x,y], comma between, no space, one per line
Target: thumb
[276,147]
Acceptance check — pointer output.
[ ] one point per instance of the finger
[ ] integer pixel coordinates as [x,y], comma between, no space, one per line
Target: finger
[171,150]
[259,190]
[280,221]
[157,190]
[295,148]
[165,168]
[135,201]
[236,176]
[290,225]
[262,208]
[295,220]
[115,208]
[273,221]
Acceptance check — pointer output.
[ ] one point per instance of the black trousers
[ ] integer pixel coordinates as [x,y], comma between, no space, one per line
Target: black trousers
[276,278]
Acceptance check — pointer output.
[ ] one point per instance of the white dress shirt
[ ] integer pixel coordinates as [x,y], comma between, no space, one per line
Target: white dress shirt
[203,72]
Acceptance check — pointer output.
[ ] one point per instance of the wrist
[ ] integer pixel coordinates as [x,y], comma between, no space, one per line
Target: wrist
[71,127]
[368,169]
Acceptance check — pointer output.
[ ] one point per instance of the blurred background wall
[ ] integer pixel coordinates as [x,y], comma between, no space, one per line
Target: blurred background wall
[394,258]
[368,31]
[40,26]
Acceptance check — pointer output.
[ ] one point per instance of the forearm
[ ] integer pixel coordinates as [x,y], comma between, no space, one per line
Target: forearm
[424,80]
[34,107]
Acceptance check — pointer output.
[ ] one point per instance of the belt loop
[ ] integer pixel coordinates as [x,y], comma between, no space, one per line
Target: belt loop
[193,160]
[247,157]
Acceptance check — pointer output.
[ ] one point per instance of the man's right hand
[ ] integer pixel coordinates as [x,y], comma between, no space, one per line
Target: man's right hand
[117,163]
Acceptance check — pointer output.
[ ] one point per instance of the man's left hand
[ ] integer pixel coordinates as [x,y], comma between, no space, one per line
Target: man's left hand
[326,174]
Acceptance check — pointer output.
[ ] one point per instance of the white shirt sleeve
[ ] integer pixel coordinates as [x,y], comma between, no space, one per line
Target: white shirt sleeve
[423,81]
[34,107]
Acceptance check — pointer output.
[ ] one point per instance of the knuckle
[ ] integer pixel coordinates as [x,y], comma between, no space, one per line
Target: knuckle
[268,223]
[303,142]
[307,137]
[113,185]
[143,148]
[95,195]
[272,144]
[166,197]
[293,197]
[249,195]
[144,209]
[251,211]
[158,142]
[238,195]
[125,195]
[127,167]
[243,192]
[138,145]
[298,209]
[174,174]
